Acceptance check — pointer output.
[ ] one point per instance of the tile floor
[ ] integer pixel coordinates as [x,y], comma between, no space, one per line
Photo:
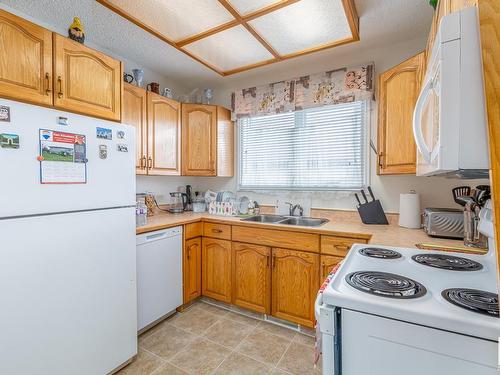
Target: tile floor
[206,339]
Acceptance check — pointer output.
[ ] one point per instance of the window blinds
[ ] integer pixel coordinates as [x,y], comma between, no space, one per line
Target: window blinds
[319,148]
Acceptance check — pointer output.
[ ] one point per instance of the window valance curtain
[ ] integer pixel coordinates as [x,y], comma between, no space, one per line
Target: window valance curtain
[343,85]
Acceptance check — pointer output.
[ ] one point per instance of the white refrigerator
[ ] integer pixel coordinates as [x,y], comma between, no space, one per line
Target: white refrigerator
[67,243]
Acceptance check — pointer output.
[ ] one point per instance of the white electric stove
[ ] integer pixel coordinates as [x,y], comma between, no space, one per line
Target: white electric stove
[392,311]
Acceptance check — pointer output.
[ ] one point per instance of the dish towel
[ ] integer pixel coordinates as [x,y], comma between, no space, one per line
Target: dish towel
[317,341]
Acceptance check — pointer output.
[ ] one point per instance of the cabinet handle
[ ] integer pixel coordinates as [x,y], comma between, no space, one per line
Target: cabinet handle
[342,247]
[214,230]
[380,164]
[47,84]
[150,162]
[142,164]
[60,93]
[267,261]
[273,261]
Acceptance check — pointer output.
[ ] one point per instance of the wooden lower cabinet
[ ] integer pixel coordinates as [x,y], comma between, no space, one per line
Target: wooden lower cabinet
[327,264]
[216,269]
[295,282]
[251,277]
[192,269]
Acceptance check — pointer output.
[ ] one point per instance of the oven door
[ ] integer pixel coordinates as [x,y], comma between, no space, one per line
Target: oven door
[380,346]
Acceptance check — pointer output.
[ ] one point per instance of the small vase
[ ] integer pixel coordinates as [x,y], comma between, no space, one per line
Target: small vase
[138,76]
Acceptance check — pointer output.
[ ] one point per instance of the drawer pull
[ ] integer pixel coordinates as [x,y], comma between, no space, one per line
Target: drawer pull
[215,230]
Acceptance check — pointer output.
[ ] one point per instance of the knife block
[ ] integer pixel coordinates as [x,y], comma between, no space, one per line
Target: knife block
[372,213]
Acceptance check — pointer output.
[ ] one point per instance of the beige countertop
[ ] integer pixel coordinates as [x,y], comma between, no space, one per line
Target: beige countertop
[392,234]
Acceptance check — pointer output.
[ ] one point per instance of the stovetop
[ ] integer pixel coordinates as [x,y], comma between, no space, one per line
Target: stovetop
[453,292]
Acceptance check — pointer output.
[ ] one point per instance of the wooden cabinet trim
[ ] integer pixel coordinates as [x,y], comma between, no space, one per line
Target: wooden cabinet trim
[288,283]
[39,91]
[216,284]
[251,281]
[215,230]
[192,269]
[407,164]
[208,155]
[274,237]
[138,120]
[193,230]
[173,158]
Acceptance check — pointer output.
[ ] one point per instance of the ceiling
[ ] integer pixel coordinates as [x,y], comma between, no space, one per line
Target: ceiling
[381,22]
[230,36]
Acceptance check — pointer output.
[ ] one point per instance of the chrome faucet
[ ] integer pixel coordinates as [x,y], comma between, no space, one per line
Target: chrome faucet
[292,209]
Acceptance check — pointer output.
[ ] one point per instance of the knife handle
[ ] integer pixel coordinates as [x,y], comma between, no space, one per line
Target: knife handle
[371,192]
[364,196]
[357,198]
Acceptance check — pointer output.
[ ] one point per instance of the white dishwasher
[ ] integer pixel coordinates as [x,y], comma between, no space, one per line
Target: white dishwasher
[159,275]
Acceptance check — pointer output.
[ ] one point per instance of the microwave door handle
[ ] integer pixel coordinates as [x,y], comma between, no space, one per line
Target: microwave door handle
[417,121]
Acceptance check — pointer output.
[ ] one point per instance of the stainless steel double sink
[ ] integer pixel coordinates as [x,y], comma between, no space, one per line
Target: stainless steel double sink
[287,220]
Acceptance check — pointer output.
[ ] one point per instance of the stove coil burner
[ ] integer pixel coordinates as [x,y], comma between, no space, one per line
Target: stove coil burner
[375,252]
[473,300]
[447,262]
[385,284]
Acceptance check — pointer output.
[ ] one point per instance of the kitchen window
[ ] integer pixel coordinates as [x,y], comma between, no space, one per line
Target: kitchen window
[322,148]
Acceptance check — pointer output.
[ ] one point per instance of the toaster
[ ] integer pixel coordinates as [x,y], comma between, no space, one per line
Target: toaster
[444,222]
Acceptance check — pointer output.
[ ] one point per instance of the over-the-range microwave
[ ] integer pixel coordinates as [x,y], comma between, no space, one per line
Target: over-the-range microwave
[449,121]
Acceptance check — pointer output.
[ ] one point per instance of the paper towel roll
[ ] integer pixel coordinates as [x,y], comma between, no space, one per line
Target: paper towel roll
[409,210]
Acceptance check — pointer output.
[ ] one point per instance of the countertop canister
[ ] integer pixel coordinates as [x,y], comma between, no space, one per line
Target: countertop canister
[409,210]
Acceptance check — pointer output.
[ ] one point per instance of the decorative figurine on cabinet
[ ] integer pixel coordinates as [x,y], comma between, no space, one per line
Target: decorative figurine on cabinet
[76,31]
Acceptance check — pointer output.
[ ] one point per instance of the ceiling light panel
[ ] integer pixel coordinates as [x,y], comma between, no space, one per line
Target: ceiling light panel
[230,49]
[304,25]
[245,6]
[177,19]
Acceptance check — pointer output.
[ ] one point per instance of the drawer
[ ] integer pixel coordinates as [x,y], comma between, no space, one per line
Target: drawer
[193,230]
[215,230]
[277,238]
[338,246]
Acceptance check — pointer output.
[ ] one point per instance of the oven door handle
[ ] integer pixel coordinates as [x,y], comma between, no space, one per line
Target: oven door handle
[417,121]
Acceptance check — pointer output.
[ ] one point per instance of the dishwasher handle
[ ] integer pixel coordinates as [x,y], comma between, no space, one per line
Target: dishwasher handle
[158,235]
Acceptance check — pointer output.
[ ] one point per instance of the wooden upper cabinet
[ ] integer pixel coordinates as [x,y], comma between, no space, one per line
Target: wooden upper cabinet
[164,128]
[26,63]
[86,81]
[134,113]
[199,140]
[295,280]
[225,143]
[251,277]
[216,269]
[398,92]
[192,269]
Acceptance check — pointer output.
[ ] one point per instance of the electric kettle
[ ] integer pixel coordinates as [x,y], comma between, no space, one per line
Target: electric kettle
[178,203]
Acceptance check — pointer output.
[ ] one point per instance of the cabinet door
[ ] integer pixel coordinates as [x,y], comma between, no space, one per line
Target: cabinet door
[216,269]
[294,285]
[26,63]
[192,269]
[252,277]
[134,114]
[163,135]
[199,140]
[85,80]
[225,143]
[398,92]
[327,264]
